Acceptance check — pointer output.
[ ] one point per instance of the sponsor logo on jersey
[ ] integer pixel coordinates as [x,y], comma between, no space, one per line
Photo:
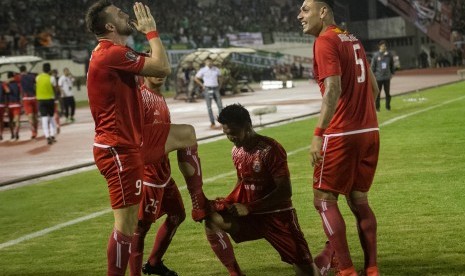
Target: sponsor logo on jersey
[257,167]
[132,56]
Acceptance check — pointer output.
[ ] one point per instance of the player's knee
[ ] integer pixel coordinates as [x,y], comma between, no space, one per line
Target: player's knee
[177,219]
[184,135]
[354,200]
[143,227]
[190,134]
[322,205]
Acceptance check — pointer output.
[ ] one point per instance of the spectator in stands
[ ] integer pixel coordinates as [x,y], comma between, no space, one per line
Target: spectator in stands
[4,46]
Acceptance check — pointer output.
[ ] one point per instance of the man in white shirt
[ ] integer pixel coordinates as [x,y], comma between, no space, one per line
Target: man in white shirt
[210,87]
[65,83]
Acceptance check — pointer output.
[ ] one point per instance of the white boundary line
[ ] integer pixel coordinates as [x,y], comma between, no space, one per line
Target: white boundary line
[211,179]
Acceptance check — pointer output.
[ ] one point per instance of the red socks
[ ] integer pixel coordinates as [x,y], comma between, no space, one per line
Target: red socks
[164,236]
[221,245]
[193,176]
[335,229]
[193,180]
[118,252]
[366,225]
[137,248]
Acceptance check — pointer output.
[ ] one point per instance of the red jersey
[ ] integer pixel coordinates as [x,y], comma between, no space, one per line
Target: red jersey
[115,103]
[338,53]
[156,111]
[155,108]
[256,168]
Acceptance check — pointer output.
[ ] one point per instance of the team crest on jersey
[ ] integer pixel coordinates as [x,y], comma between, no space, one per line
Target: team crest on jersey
[257,166]
[132,56]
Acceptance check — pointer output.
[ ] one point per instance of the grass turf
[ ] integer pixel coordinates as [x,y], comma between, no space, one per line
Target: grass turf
[417,196]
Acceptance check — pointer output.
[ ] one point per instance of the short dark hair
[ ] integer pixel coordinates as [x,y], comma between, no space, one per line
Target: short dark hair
[235,114]
[96,18]
[10,74]
[22,68]
[329,3]
[46,67]
[381,42]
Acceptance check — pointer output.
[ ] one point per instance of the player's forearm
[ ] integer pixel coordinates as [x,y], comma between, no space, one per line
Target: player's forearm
[159,54]
[329,105]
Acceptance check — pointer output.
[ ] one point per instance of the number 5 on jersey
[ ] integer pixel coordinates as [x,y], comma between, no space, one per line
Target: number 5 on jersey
[359,61]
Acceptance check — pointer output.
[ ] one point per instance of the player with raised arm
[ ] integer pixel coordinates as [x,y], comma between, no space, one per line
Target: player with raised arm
[120,134]
[345,145]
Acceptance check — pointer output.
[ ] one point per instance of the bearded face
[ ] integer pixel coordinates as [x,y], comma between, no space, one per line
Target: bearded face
[120,20]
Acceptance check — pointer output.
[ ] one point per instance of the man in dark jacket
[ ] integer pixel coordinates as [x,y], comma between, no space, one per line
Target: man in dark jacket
[382,66]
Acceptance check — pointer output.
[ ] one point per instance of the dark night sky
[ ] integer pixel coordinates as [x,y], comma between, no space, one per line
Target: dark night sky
[359,10]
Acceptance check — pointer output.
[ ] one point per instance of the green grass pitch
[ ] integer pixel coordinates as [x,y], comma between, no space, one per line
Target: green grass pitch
[417,195]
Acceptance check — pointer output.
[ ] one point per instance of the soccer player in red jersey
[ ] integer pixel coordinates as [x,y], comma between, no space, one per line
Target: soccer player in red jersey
[160,195]
[345,145]
[122,143]
[3,104]
[260,205]
[13,94]
[28,89]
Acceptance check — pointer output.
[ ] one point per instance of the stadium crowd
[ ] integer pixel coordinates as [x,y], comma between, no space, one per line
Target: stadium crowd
[60,24]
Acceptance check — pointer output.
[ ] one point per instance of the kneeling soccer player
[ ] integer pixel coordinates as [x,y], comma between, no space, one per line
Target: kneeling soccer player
[260,205]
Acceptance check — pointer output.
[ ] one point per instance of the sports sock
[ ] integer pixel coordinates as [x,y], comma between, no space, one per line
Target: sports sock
[335,229]
[45,126]
[192,176]
[163,240]
[221,245]
[118,251]
[137,248]
[53,126]
[189,164]
[366,226]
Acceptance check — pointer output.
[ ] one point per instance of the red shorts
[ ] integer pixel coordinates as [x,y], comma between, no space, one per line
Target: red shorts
[160,199]
[123,169]
[349,162]
[30,106]
[14,110]
[154,140]
[2,113]
[281,230]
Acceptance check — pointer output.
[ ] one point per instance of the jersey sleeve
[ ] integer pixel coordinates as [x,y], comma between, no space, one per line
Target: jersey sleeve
[276,161]
[327,58]
[125,59]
